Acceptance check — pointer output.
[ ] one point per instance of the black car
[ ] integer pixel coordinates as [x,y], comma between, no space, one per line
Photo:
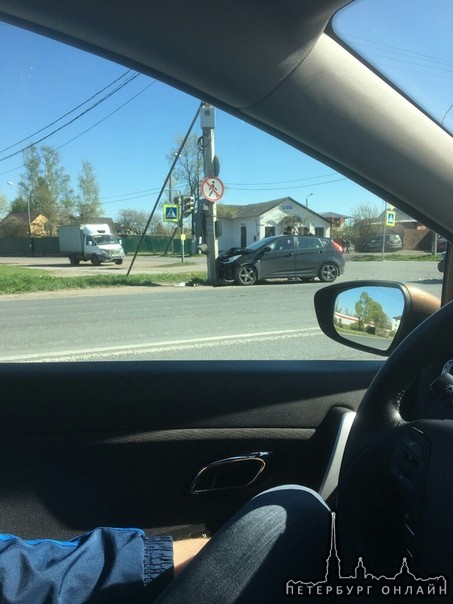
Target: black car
[286,256]
[393,243]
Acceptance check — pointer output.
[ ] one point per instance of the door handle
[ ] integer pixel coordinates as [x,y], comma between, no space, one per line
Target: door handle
[235,472]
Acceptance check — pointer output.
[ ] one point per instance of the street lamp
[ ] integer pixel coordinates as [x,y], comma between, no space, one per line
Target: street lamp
[306,199]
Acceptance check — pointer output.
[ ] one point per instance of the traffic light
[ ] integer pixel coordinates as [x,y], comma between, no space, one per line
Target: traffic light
[188,206]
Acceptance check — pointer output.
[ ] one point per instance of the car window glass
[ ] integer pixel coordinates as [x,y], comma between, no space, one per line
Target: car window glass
[305,242]
[413,49]
[106,161]
[285,243]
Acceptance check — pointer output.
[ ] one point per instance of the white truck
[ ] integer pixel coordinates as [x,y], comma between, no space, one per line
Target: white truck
[85,242]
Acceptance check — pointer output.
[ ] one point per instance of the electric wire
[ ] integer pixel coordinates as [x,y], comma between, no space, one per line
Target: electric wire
[36,142]
[91,127]
[58,119]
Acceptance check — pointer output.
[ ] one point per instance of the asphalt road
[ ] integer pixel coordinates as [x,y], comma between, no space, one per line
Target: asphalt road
[269,321]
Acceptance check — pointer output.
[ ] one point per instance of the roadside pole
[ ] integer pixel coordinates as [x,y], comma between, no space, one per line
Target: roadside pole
[207,119]
[181,226]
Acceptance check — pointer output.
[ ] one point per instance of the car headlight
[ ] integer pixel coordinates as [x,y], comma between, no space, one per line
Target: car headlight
[230,259]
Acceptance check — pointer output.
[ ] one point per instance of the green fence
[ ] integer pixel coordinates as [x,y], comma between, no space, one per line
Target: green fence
[155,244]
[48,246]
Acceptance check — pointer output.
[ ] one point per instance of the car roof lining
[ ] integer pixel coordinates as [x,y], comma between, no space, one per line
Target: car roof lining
[302,76]
[208,43]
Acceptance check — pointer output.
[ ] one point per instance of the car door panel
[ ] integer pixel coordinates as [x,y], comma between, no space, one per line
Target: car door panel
[121,443]
[308,255]
[280,261]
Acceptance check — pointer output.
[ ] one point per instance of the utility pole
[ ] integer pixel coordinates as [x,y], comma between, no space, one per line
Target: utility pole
[181,226]
[210,166]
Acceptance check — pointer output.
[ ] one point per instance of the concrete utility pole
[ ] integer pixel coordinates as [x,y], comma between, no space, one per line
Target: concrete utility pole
[207,122]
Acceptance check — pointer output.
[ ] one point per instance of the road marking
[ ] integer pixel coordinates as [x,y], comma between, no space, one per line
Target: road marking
[108,352]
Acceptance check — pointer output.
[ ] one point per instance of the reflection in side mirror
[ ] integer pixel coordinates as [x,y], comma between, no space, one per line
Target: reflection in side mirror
[369,315]
[267,249]
[373,316]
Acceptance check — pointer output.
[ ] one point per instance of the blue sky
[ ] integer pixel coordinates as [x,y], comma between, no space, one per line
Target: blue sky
[43,80]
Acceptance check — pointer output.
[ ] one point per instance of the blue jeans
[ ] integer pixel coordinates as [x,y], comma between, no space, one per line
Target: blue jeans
[280,534]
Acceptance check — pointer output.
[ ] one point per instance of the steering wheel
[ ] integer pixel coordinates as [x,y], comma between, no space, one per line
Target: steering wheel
[395,493]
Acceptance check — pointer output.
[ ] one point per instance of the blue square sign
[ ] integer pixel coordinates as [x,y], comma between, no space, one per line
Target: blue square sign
[171,212]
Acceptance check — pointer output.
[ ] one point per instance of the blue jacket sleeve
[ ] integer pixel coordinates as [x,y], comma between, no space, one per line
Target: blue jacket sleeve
[105,565]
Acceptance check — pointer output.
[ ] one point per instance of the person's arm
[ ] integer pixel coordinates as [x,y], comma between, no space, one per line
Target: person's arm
[105,565]
[184,551]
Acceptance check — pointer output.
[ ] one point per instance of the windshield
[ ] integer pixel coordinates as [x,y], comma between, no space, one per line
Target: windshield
[411,43]
[256,245]
[83,138]
[105,239]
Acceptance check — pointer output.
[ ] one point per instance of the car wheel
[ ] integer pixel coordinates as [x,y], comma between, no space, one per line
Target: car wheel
[328,272]
[245,275]
[95,260]
[119,261]
[74,261]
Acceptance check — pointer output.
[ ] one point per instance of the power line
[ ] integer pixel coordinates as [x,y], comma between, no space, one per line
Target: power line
[67,113]
[107,116]
[410,53]
[315,184]
[117,89]
[91,127]
[125,197]
[283,182]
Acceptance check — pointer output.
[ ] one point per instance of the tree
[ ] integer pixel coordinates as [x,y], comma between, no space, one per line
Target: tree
[132,222]
[369,312]
[58,183]
[13,227]
[44,187]
[28,183]
[189,166]
[292,221]
[3,205]
[88,203]
[366,220]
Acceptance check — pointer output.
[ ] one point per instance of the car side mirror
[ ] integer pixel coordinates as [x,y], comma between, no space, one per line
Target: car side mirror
[267,249]
[373,316]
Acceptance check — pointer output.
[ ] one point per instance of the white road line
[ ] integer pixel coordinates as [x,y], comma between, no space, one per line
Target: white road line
[174,345]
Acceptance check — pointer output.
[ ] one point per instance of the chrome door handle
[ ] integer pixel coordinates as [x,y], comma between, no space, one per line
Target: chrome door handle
[235,472]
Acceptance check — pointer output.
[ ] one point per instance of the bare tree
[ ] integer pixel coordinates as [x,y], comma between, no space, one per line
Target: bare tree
[189,166]
[365,218]
[132,222]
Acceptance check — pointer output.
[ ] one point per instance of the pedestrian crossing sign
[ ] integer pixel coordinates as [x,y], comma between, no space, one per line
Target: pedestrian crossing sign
[171,212]
[390,218]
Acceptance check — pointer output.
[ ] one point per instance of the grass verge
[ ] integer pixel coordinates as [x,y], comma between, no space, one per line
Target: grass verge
[16,280]
[362,257]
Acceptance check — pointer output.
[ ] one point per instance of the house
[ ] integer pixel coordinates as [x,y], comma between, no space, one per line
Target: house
[336,220]
[244,224]
[23,224]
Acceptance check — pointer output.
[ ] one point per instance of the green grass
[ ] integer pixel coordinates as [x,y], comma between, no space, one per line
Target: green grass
[363,257]
[16,280]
